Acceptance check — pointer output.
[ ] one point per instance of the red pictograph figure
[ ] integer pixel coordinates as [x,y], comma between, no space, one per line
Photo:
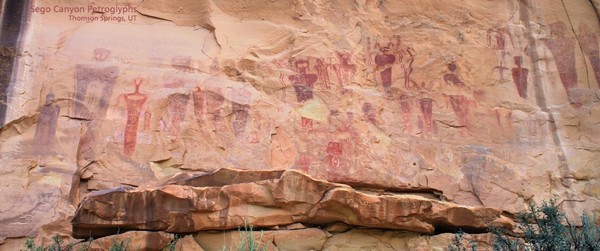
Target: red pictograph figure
[345,70]
[519,75]
[322,69]
[334,152]
[46,126]
[405,109]
[384,62]
[176,111]
[198,98]
[589,43]
[496,39]
[428,126]
[240,110]
[563,49]
[135,101]
[460,104]
[369,113]
[407,58]
[452,78]
[303,83]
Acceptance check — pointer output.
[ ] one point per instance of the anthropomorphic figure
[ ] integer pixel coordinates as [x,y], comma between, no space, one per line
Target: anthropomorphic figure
[134,101]
[519,75]
[384,62]
[589,44]
[563,50]
[46,127]
[322,69]
[408,59]
[240,111]
[345,70]
[303,83]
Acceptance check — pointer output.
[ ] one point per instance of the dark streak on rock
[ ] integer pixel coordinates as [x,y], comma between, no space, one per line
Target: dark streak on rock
[12,21]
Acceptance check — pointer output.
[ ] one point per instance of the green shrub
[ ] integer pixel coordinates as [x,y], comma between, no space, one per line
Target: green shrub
[171,245]
[457,243]
[119,245]
[247,240]
[544,228]
[55,246]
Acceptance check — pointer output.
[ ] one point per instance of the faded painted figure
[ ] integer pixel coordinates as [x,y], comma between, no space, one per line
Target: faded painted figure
[334,152]
[46,127]
[240,110]
[589,43]
[460,104]
[406,110]
[303,85]
[322,69]
[198,98]
[369,113]
[89,100]
[93,89]
[519,75]
[214,104]
[345,70]
[563,50]
[427,124]
[135,101]
[176,111]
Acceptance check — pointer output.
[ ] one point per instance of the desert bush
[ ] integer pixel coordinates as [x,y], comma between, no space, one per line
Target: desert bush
[543,228]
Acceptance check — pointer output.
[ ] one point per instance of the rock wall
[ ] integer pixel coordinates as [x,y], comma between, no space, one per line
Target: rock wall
[485,103]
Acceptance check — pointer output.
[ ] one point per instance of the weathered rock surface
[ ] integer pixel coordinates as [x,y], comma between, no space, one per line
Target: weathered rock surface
[301,239]
[134,240]
[265,199]
[368,239]
[485,103]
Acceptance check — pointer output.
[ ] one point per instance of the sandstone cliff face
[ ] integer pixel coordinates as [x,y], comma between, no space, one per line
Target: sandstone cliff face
[486,103]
